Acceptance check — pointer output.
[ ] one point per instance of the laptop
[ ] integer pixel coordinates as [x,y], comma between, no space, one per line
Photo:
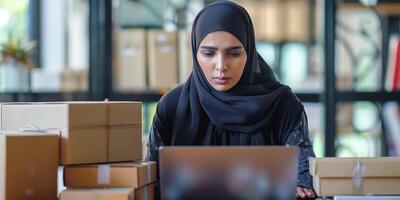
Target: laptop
[234,173]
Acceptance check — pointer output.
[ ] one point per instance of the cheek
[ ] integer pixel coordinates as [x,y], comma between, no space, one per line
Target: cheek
[239,67]
[206,65]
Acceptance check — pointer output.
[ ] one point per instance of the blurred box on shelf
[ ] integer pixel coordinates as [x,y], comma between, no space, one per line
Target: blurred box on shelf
[130,59]
[356,176]
[163,59]
[270,21]
[297,20]
[143,193]
[278,21]
[91,132]
[130,174]
[28,165]
[74,80]
[185,55]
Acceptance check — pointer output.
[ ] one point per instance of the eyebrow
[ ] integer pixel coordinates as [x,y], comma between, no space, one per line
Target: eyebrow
[215,48]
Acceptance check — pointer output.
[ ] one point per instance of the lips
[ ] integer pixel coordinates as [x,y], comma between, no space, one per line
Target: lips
[221,80]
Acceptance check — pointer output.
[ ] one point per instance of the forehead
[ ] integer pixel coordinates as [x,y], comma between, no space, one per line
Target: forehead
[220,39]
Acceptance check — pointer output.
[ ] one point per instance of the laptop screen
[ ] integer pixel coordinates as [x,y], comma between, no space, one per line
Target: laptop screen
[228,172]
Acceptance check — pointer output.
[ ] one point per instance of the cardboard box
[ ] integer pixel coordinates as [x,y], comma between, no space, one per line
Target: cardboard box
[143,193]
[185,55]
[130,60]
[163,59]
[356,176]
[91,132]
[28,165]
[74,80]
[297,20]
[131,175]
[270,21]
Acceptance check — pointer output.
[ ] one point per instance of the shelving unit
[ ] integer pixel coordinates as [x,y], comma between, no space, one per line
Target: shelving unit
[331,95]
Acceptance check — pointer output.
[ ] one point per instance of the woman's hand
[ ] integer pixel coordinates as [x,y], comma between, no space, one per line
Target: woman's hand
[304,193]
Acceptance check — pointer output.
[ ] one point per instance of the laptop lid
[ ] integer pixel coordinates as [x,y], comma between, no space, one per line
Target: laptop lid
[249,172]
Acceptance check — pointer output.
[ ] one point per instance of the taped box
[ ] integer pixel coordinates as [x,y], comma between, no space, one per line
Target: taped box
[28,165]
[356,176]
[91,132]
[143,193]
[132,175]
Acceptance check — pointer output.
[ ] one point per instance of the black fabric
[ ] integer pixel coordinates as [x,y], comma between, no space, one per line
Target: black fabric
[250,105]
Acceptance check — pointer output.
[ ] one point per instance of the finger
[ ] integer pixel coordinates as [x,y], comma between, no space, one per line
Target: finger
[300,192]
[308,192]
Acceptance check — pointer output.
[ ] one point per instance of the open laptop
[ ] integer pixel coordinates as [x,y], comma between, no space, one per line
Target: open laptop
[228,172]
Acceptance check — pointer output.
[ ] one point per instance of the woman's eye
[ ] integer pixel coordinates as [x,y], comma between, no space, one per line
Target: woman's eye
[207,53]
[234,54]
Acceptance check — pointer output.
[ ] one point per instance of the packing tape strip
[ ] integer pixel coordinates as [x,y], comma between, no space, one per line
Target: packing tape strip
[108,129]
[149,178]
[358,176]
[103,174]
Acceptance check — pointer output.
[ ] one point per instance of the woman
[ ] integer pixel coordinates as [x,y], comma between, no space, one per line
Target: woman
[231,96]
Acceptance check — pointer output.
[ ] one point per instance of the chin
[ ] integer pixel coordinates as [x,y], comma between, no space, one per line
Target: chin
[222,88]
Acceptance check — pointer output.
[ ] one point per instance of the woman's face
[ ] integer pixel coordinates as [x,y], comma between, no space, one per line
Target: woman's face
[222,59]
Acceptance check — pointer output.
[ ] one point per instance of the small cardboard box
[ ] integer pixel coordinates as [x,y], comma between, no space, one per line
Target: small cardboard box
[356,176]
[130,59]
[28,165]
[132,175]
[143,193]
[163,59]
[91,132]
[185,55]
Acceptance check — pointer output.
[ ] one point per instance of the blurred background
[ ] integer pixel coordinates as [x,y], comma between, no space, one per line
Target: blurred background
[342,59]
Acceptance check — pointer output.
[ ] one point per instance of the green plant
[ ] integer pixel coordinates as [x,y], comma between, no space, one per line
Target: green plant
[16,52]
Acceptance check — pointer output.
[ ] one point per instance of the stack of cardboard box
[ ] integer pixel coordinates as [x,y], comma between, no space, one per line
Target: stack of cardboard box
[83,134]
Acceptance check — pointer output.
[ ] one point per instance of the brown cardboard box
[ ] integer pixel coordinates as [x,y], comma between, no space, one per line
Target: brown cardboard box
[163,59]
[28,165]
[143,193]
[297,21]
[74,80]
[130,59]
[132,175]
[334,176]
[270,21]
[91,132]
[185,55]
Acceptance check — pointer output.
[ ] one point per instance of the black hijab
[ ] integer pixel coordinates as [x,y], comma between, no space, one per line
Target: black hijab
[258,100]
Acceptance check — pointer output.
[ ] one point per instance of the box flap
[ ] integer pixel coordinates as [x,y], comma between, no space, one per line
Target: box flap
[52,115]
[343,167]
[127,112]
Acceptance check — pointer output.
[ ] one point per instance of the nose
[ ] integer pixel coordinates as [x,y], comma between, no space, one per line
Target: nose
[221,64]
